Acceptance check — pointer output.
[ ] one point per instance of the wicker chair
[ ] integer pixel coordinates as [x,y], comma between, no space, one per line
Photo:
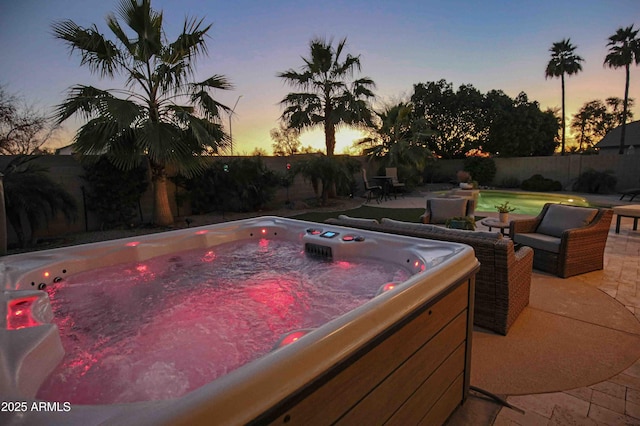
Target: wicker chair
[566,240]
[503,281]
[440,209]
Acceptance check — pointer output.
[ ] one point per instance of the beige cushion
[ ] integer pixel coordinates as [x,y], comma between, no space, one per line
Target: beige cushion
[398,224]
[446,208]
[559,218]
[358,219]
[432,229]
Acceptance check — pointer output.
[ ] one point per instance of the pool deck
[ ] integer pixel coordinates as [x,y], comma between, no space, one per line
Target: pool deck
[615,401]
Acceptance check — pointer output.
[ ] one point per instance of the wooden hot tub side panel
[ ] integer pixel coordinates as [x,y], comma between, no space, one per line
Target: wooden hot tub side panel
[416,371]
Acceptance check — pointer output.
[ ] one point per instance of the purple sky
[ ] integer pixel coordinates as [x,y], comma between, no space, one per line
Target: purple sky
[493,44]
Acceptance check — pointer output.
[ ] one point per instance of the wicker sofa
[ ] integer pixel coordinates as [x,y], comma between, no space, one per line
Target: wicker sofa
[567,240]
[503,281]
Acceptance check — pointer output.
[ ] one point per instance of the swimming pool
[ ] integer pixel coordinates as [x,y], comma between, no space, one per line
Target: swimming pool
[529,203]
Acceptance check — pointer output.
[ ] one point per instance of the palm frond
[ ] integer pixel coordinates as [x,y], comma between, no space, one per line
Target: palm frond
[189,44]
[99,54]
[147,24]
[624,48]
[563,60]
[85,100]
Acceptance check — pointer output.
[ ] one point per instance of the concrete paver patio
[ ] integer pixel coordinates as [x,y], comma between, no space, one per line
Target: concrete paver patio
[615,401]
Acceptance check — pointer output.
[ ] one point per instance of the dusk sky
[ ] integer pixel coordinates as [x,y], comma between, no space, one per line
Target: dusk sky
[490,44]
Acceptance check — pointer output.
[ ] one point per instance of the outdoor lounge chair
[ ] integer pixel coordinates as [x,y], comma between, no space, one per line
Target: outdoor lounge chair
[371,190]
[396,185]
[630,192]
[440,209]
[566,240]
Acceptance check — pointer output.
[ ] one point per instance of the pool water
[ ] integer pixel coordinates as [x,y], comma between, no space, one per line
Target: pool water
[158,329]
[529,203]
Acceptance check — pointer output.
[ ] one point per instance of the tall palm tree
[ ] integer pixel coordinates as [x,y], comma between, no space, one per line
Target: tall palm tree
[624,49]
[161,114]
[563,61]
[328,97]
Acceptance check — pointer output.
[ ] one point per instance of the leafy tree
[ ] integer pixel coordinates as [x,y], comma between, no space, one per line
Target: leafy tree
[328,96]
[624,49]
[457,118]
[23,129]
[517,127]
[563,61]
[32,198]
[596,118]
[615,107]
[161,114]
[590,123]
[286,141]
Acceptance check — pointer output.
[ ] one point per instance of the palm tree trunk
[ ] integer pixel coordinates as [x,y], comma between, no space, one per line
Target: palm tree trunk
[330,137]
[330,141]
[162,210]
[563,118]
[624,112]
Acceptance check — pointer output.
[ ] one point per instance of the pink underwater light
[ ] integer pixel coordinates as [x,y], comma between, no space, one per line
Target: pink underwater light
[19,314]
[291,337]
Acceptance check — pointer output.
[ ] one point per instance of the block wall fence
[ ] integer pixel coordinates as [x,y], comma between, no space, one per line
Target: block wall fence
[67,171]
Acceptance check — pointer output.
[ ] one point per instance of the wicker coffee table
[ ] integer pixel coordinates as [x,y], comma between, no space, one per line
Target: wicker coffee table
[631,210]
[491,222]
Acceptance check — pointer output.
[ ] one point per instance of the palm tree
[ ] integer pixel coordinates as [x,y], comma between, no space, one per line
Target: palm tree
[398,138]
[624,49]
[32,198]
[563,61]
[161,114]
[327,96]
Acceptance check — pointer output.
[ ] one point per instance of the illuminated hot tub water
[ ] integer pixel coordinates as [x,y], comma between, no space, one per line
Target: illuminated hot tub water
[198,319]
[161,328]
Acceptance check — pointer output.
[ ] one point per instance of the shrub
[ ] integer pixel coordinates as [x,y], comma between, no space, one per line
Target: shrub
[510,182]
[326,171]
[113,193]
[595,182]
[32,198]
[240,184]
[433,173]
[483,169]
[541,184]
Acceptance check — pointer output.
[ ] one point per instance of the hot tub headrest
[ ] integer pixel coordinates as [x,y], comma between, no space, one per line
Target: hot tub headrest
[358,220]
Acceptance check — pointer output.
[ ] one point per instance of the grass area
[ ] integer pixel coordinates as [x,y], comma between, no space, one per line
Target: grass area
[406,215]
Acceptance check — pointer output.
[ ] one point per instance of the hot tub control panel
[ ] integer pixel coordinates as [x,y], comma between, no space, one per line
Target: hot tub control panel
[329,234]
[330,243]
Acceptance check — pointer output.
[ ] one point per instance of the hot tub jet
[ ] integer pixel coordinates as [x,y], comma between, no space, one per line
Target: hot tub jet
[387,287]
[290,337]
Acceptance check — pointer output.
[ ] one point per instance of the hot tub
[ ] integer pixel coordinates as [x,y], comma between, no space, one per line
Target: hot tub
[402,356]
